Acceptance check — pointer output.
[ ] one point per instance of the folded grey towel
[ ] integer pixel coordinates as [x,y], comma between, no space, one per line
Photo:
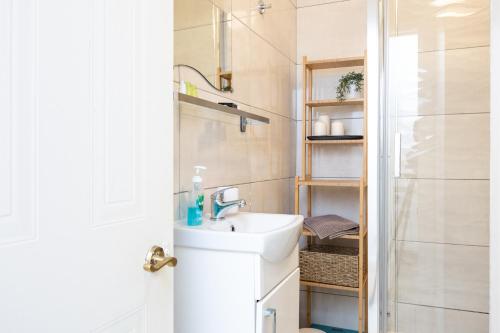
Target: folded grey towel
[331,226]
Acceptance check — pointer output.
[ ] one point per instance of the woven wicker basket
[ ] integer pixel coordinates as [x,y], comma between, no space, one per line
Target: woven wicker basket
[330,264]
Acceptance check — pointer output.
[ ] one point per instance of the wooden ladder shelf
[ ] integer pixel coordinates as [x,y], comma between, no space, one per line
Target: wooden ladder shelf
[307,181]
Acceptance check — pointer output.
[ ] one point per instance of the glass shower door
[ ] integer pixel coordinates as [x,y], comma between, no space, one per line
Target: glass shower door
[437,111]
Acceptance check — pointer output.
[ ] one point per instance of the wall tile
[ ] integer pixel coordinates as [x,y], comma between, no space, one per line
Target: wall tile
[260,73]
[285,194]
[212,139]
[275,146]
[443,275]
[293,89]
[449,82]
[291,194]
[276,25]
[444,211]
[441,25]
[192,13]
[290,148]
[445,147]
[339,25]
[299,72]
[286,144]
[241,62]
[260,146]
[307,3]
[269,76]
[422,319]
[225,5]
[298,149]
[196,46]
[242,11]
[270,196]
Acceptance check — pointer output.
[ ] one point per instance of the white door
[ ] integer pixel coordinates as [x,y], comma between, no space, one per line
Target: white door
[85,165]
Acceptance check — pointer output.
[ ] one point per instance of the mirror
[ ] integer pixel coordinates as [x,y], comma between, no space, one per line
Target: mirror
[202,39]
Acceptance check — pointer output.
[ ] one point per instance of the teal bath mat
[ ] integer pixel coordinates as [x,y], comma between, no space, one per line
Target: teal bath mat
[329,329]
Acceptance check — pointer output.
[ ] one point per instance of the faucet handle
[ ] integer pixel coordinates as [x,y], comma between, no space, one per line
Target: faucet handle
[220,193]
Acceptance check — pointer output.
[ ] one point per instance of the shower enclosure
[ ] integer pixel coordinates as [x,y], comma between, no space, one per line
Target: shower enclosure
[436,135]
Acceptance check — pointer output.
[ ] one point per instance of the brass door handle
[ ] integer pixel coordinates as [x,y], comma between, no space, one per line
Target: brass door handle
[156,260]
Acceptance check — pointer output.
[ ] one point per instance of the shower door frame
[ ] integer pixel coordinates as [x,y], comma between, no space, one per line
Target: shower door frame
[376,179]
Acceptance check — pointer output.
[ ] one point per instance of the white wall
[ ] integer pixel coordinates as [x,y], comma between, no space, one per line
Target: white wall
[331,29]
[495,170]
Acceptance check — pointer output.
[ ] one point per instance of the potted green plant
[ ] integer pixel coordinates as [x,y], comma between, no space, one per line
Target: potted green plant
[350,85]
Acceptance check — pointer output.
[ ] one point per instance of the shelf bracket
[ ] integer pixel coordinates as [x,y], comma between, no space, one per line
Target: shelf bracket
[243,124]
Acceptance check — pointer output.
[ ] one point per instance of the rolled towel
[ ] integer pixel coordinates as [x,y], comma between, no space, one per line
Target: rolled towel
[331,226]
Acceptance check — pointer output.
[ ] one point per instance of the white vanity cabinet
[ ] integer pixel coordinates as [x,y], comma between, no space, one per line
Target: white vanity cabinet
[235,292]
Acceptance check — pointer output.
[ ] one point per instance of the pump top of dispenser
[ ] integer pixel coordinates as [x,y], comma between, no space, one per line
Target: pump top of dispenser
[197,178]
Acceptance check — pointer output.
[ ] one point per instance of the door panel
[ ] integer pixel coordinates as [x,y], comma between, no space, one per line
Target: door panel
[86,170]
[437,206]
[283,300]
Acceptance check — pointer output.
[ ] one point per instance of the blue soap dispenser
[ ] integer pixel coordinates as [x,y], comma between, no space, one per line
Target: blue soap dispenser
[196,199]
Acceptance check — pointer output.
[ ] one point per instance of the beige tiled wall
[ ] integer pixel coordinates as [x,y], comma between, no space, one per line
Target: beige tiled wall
[440,100]
[418,319]
[443,275]
[261,162]
[440,211]
[440,25]
[331,29]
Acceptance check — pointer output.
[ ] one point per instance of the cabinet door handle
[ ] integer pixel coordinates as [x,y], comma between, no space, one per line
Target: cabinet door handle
[268,313]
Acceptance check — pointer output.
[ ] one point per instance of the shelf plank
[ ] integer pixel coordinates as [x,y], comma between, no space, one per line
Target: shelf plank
[336,63]
[335,102]
[218,107]
[331,182]
[326,285]
[306,232]
[335,142]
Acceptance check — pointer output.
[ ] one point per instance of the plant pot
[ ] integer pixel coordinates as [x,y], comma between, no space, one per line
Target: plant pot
[353,94]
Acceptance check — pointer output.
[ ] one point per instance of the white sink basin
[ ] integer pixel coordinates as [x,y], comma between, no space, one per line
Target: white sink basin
[273,236]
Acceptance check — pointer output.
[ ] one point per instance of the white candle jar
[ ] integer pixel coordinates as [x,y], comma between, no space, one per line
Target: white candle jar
[337,128]
[319,128]
[325,119]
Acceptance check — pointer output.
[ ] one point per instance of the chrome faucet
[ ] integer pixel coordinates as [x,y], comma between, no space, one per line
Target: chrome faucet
[220,207]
